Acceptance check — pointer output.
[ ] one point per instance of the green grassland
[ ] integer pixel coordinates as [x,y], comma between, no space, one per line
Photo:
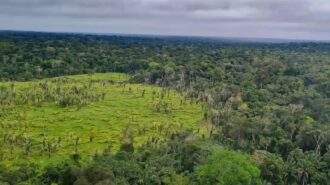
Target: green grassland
[42,122]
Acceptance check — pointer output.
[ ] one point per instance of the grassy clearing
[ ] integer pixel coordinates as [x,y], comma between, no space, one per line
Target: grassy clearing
[27,129]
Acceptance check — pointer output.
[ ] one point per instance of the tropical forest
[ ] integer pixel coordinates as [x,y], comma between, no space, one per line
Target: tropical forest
[94,109]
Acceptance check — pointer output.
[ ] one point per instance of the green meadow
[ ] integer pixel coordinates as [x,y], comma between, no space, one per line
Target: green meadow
[87,115]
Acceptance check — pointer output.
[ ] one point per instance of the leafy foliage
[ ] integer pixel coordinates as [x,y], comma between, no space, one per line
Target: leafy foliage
[226,167]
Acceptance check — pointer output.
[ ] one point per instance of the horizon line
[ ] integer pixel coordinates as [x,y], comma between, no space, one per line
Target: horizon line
[229,38]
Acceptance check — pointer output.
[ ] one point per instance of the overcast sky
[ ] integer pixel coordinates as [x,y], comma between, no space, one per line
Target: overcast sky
[294,19]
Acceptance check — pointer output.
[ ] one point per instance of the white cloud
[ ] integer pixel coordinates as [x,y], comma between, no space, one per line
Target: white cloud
[254,18]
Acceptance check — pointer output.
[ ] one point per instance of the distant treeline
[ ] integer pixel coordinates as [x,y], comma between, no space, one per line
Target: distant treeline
[28,55]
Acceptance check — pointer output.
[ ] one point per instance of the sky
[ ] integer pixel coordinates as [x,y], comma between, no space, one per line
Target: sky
[287,19]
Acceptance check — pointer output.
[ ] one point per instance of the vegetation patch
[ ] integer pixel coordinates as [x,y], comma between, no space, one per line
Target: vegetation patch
[53,119]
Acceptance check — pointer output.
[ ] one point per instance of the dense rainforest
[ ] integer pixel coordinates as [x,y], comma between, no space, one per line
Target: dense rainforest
[267,107]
